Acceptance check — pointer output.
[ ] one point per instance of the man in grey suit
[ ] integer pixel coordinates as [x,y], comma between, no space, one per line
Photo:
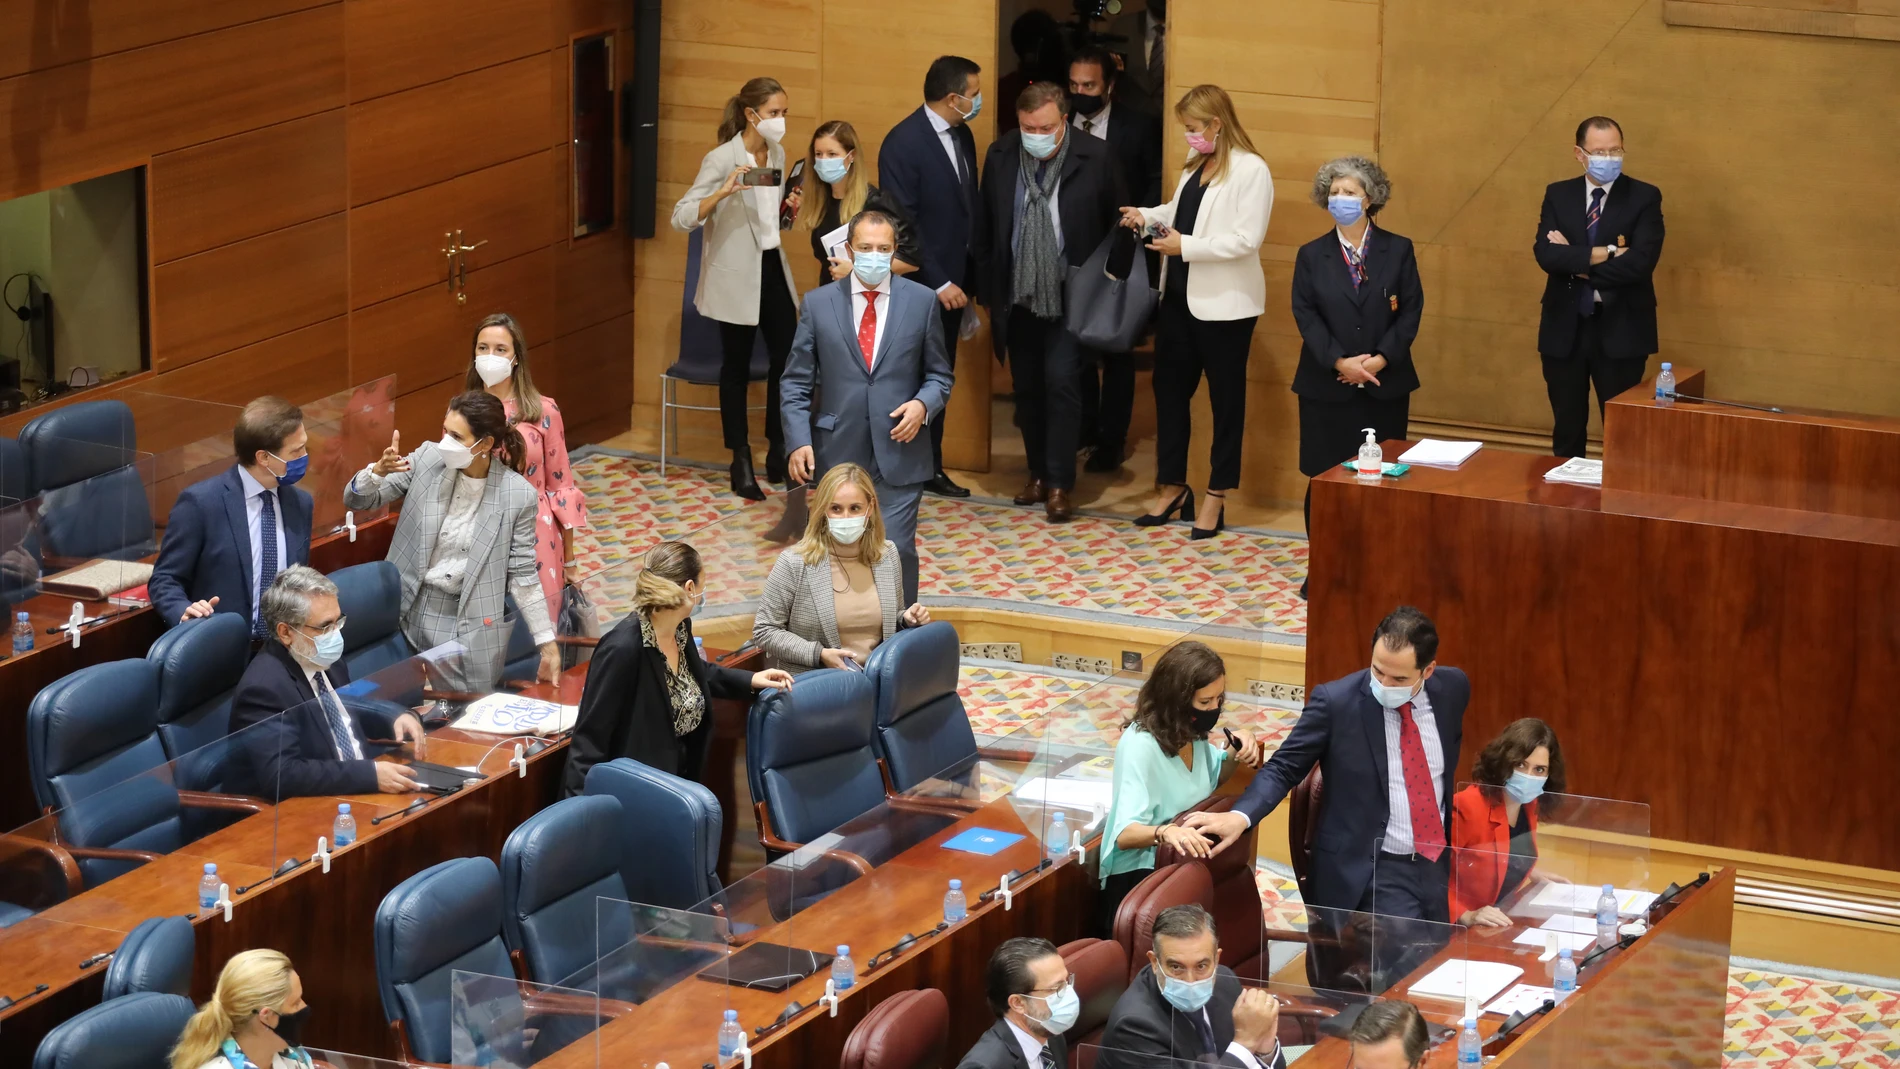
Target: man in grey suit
[870,349]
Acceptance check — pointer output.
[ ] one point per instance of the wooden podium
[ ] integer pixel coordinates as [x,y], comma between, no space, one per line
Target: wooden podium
[1715,632]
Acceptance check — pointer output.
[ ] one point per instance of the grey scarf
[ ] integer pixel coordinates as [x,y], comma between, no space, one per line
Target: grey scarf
[1038,271]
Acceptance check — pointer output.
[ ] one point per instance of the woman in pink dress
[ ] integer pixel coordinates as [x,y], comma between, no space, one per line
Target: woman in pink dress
[500,366]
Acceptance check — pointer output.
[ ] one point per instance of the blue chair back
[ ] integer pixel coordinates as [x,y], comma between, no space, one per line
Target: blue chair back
[923,730]
[93,499]
[155,956]
[700,349]
[670,855]
[199,665]
[18,522]
[371,596]
[134,1032]
[809,754]
[553,867]
[90,739]
[444,918]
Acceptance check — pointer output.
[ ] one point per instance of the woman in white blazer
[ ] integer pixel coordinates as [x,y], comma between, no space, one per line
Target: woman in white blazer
[741,266]
[1212,292]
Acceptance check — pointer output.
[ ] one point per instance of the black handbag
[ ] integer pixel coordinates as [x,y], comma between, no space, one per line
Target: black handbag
[1109,301]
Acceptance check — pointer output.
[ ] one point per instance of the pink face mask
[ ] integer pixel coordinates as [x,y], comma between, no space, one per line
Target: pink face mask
[1201,143]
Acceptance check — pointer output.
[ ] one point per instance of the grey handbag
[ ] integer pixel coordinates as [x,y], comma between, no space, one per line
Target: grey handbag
[1109,301]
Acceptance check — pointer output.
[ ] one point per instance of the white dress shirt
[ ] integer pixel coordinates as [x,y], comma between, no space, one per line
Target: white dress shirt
[764,202]
[254,492]
[946,138]
[1098,122]
[320,685]
[1359,249]
[883,291]
[1398,822]
[1032,1047]
[1589,193]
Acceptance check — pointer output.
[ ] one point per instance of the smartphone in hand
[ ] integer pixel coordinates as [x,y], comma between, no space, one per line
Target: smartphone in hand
[761,176]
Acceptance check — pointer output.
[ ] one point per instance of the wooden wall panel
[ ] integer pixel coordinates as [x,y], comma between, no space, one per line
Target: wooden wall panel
[419,413]
[46,35]
[791,25]
[593,281]
[423,337]
[246,292]
[400,44]
[245,185]
[435,132]
[85,119]
[590,378]
[301,365]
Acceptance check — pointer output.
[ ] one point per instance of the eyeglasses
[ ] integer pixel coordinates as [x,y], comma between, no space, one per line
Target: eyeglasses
[1613,153]
[1040,992]
[332,629]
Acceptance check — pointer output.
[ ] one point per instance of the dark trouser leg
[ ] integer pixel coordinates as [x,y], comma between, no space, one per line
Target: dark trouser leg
[1613,376]
[778,318]
[1064,364]
[1118,402]
[952,322]
[1108,899]
[1225,346]
[1567,383]
[1405,888]
[1089,394]
[735,374]
[1030,338]
[1177,376]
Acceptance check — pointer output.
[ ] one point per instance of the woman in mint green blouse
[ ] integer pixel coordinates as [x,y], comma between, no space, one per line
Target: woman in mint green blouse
[1164,766]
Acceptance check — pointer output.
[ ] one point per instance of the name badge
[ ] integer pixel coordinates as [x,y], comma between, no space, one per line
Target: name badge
[1620,243]
[1395,302]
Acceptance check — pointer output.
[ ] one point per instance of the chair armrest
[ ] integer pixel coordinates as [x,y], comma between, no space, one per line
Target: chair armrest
[1288,935]
[563,1004]
[772,842]
[949,807]
[577,640]
[106,853]
[61,859]
[433,695]
[1007,754]
[234,803]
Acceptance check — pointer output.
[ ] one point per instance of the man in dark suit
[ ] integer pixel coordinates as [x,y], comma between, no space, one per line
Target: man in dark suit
[1184,1006]
[1387,740]
[1144,48]
[1134,140]
[298,737]
[229,536]
[1049,199]
[1598,238]
[1033,995]
[927,164]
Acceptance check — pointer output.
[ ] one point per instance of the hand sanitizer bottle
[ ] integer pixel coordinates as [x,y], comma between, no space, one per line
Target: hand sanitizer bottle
[1371,458]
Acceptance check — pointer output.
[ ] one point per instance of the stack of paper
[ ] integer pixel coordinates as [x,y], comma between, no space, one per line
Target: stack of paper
[1577,471]
[1524,998]
[1582,898]
[1433,452]
[512,714]
[1083,794]
[1458,980]
[1542,937]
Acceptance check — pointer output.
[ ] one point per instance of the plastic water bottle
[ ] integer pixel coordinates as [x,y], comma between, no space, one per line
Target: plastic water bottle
[1564,976]
[1371,458]
[343,832]
[22,634]
[954,906]
[699,647]
[1058,844]
[844,971]
[1607,920]
[1666,385]
[208,887]
[730,1034]
[1470,1047]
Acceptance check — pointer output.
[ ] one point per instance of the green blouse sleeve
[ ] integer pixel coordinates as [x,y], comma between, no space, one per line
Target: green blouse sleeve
[1133,803]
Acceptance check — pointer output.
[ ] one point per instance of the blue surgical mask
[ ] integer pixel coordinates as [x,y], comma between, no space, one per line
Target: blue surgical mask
[293,469]
[872,267]
[1041,146]
[1605,169]
[326,648]
[1388,697]
[698,605]
[1064,1007]
[831,169]
[1346,210]
[976,107]
[1524,788]
[1188,996]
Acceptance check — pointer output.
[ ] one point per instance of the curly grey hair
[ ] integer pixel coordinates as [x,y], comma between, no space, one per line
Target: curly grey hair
[287,599]
[1369,175]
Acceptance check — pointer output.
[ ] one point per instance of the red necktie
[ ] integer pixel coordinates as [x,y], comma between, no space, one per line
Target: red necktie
[1428,825]
[867,327]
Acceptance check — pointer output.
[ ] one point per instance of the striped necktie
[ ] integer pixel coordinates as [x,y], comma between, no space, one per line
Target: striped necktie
[334,715]
[266,559]
[1587,301]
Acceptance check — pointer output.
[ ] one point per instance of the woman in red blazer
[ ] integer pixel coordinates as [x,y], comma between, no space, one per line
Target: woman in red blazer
[1494,821]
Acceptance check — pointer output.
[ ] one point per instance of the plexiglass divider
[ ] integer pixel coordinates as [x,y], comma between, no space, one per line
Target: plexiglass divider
[347,430]
[500,1022]
[663,967]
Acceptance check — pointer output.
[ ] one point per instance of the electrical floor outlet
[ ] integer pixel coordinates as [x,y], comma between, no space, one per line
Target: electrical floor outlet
[994,651]
[1279,692]
[1099,666]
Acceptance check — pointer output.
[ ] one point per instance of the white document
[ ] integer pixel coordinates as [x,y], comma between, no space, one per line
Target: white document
[1582,898]
[836,243]
[1577,471]
[1541,937]
[1457,980]
[1523,998]
[1570,922]
[512,714]
[1083,794]
[1431,451]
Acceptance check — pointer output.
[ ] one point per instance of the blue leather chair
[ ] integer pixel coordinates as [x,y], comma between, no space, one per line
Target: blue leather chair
[700,356]
[93,499]
[19,527]
[810,760]
[134,1032]
[199,665]
[553,868]
[371,596]
[155,956]
[923,731]
[669,856]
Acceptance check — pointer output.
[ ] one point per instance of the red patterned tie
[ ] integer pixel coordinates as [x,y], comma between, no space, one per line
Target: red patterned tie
[867,327]
[1428,825]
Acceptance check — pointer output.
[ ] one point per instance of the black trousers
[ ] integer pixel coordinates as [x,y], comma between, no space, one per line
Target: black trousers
[1408,899]
[1108,900]
[952,320]
[778,318]
[1185,349]
[1045,361]
[1108,403]
[1567,380]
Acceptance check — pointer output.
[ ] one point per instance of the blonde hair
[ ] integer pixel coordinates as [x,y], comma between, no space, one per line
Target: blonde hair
[817,543]
[1210,103]
[663,577]
[251,981]
[527,398]
[857,188]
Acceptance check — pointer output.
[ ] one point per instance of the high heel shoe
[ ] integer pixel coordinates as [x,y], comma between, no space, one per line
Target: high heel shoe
[1184,501]
[1220,520]
[775,466]
[744,483]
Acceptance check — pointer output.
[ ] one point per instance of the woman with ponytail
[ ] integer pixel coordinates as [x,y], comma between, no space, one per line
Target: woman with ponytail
[745,281]
[254,1020]
[465,539]
[648,690]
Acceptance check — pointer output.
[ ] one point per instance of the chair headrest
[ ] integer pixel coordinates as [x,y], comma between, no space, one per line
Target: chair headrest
[568,845]
[97,710]
[830,712]
[75,443]
[16,480]
[1176,885]
[134,1032]
[909,1030]
[433,918]
[913,669]
[1101,975]
[670,856]
[155,956]
[199,661]
[371,596]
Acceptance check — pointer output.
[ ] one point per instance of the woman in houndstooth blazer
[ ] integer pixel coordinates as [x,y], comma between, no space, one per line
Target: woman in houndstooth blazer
[465,539]
[833,597]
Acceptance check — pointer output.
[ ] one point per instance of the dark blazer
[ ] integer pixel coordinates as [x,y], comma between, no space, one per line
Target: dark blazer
[1134,139]
[1632,216]
[1380,316]
[294,755]
[625,711]
[998,1049]
[207,548]
[913,170]
[1342,730]
[875,200]
[1089,201]
[1143,1026]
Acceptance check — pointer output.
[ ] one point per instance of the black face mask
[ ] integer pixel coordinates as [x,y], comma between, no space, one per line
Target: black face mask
[290,1026]
[1204,719]
[1084,104]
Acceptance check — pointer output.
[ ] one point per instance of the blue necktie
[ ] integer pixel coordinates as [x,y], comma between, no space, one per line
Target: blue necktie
[339,724]
[267,560]
[1587,303]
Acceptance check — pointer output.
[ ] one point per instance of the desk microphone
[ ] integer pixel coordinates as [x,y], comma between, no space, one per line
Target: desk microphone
[97,959]
[289,865]
[412,806]
[1719,401]
[8,1000]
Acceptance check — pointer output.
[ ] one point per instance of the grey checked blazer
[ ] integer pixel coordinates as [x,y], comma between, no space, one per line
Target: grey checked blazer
[796,620]
[501,556]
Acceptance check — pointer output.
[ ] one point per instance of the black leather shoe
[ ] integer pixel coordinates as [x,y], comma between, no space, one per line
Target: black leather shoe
[1104,459]
[775,465]
[744,483]
[943,487]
